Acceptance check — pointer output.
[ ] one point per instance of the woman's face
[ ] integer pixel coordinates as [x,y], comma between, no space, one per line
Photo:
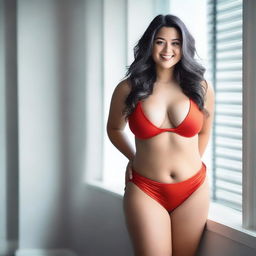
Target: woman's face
[167,47]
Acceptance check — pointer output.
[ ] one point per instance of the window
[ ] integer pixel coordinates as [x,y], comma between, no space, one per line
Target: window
[225,51]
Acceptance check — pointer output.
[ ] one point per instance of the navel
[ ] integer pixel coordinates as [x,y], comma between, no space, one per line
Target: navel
[172,175]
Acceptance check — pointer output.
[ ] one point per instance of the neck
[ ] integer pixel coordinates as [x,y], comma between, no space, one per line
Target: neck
[164,75]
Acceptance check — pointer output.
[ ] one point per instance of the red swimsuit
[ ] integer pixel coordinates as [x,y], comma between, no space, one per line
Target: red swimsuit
[169,195]
[144,129]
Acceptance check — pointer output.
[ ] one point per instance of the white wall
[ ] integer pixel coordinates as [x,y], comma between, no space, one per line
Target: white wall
[115,57]
[93,70]
[194,14]
[46,75]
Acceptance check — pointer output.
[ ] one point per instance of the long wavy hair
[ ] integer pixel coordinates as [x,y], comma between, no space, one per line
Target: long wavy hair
[141,74]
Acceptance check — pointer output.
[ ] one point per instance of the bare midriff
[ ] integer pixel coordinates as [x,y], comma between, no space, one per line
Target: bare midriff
[167,157]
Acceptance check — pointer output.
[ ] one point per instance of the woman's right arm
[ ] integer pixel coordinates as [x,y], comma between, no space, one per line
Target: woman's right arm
[116,121]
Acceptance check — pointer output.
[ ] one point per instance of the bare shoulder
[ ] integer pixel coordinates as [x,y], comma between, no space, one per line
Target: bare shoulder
[122,89]
[116,119]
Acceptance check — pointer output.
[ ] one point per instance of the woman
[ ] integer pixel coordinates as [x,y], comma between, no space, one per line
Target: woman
[170,109]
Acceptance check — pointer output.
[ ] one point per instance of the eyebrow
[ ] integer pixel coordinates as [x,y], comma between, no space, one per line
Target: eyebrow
[164,39]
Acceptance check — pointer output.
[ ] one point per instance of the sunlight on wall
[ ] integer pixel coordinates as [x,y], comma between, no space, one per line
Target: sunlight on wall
[116,58]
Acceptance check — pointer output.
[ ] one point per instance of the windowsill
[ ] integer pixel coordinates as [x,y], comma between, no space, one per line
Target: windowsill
[114,190]
[219,220]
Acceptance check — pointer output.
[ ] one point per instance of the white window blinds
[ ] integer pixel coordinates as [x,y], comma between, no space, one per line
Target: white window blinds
[225,51]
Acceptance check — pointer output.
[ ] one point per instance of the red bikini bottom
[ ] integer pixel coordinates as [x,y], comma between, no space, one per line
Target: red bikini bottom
[170,195]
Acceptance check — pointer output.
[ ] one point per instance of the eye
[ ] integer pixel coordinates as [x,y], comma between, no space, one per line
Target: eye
[177,43]
[159,42]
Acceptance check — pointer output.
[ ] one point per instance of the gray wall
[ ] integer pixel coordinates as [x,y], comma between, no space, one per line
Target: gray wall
[59,75]
[43,81]
[8,128]
[214,244]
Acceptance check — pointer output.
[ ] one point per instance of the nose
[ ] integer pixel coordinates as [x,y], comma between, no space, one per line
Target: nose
[168,48]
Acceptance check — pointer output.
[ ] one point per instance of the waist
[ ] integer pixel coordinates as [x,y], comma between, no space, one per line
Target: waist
[199,175]
[167,170]
[167,146]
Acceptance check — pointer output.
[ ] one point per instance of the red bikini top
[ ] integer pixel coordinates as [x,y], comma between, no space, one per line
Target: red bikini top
[144,129]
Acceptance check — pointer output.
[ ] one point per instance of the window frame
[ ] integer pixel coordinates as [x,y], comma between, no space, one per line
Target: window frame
[217,10]
[249,119]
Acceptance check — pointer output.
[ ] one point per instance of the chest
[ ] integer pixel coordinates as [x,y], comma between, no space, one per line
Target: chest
[164,113]
[151,118]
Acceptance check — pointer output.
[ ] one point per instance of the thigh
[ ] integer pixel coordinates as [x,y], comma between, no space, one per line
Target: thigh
[188,221]
[148,223]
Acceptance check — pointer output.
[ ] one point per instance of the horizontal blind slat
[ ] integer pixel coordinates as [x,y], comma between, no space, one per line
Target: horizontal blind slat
[225,36]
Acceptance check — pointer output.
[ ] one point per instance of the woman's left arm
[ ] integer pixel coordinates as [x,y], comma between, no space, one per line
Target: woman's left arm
[205,132]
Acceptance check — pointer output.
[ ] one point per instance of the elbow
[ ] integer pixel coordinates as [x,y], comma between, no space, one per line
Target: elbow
[111,131]
[109,128]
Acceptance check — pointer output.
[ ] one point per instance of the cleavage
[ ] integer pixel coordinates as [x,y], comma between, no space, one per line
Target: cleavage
[164,115]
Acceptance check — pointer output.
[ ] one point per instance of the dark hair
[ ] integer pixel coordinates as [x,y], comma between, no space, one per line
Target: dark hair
[141,74]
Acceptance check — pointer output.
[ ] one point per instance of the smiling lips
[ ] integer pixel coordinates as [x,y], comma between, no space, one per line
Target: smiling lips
[166,57]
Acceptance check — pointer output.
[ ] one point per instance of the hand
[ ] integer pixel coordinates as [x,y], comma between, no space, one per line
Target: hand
[128,173]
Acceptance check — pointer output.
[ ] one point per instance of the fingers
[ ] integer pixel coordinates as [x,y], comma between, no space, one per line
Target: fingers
[128,173]
[130,170]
